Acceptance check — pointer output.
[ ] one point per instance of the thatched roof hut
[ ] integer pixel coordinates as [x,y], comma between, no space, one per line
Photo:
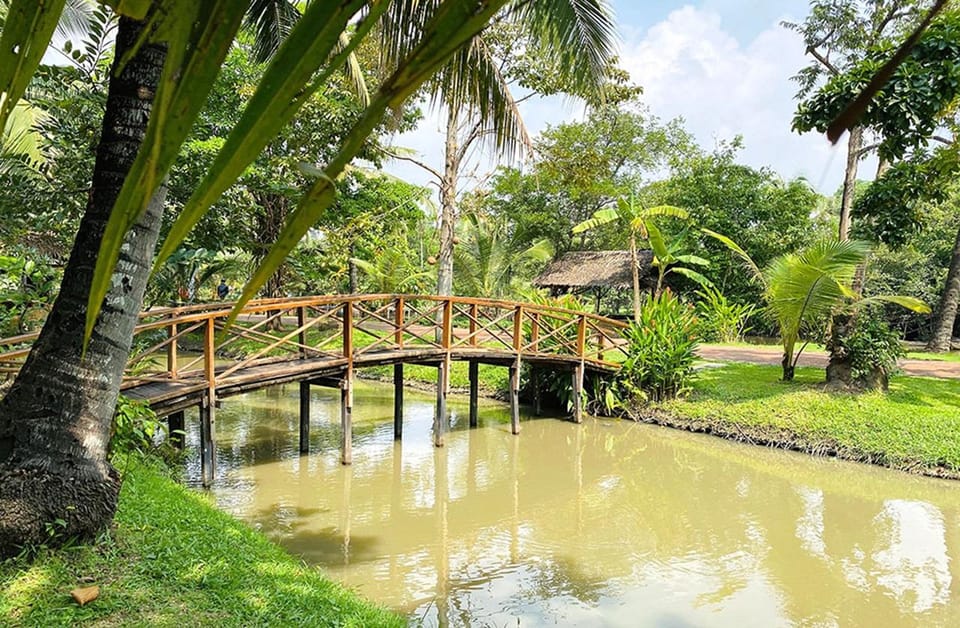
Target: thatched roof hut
[580,271]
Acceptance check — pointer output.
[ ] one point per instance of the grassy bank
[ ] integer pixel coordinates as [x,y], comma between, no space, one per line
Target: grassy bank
[914,427]
[174,560]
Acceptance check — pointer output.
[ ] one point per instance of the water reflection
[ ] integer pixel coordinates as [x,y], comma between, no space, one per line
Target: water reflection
[608,523]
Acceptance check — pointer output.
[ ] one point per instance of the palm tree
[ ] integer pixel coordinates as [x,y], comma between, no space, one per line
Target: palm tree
[638,220]
[574,37]
[55,419]
[802,288]
[668,258]
[488,259]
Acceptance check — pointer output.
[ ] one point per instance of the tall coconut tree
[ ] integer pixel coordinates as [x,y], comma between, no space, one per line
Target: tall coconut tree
[472,90]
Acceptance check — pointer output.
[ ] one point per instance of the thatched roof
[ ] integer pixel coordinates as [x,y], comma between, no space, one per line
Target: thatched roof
[592,269]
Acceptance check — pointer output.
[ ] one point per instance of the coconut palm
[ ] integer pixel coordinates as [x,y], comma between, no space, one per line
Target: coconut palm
[53,446]
[638,220]
[488,259]
[572,36]
[802,288]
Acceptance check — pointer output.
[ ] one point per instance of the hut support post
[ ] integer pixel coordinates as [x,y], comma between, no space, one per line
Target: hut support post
[474,393]
[304,417]
[176,424]
[515,396]
[397,401]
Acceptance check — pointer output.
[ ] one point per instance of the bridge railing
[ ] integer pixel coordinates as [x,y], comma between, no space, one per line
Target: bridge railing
[191,341]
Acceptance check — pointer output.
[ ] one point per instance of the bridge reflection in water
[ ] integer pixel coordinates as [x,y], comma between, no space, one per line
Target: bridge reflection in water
[323,340]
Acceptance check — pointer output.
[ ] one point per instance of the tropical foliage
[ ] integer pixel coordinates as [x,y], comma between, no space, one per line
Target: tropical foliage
[662,349]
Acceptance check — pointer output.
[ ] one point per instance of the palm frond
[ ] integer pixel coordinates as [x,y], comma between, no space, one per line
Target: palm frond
[599,218]
[271,22]
[580,35]
[693,275]
[738,250]
[472,81]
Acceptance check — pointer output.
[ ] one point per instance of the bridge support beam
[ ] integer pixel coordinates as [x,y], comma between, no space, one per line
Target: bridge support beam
[474,393]
[515,397]
[346,419]
[176,425]
[535,389]
[304,417]
[397,401]
[208,454]
[578,393]
[440,415]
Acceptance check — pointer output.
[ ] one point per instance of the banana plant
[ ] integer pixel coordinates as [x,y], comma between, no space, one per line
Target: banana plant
[638,220]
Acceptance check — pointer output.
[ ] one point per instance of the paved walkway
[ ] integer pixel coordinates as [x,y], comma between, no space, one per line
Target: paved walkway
[772,355]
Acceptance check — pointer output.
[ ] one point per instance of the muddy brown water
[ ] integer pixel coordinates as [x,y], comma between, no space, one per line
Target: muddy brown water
[608,523]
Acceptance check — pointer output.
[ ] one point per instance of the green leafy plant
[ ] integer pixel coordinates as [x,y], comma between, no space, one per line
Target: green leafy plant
[720,320]
[134,427]
[871,347]
[661,350]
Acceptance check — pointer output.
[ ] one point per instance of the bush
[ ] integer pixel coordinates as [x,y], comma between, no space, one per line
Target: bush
[719,319]
[870,348]
[661,349]
[135,428]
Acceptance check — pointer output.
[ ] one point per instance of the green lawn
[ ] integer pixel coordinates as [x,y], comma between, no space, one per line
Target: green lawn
[915,426]
[953,356]
[174,560]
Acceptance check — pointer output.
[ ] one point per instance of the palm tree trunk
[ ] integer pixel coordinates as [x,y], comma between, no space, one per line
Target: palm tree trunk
[636,278]
[448,206]
[947,312]
[55,420]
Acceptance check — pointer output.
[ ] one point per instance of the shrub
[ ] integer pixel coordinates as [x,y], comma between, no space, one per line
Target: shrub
[134,427]
[719,319]
[661,349]
[870,349]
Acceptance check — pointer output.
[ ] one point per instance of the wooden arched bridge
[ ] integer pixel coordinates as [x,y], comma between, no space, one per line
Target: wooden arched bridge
[183,356]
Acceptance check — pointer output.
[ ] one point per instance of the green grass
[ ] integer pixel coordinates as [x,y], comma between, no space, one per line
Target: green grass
[174,560]
[953,356]
[915,426]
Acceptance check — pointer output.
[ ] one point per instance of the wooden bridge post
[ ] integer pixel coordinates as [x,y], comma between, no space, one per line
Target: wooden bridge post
[579,370]
[302,336]
[534,373]
[208,458]
[176,424]
[172,348]
[578,393]
[398,370]
[515,396]
[474,393]
[304,417]
[397,401]
[346,389]
[515,370]
[208,407]
[443,374]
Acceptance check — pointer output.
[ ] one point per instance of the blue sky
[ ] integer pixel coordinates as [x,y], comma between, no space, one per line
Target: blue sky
[724,66]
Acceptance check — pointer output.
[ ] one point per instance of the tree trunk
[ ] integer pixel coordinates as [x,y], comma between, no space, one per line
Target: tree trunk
[636,278]
[947,312]
[55,420]
[448,206]
[854,145]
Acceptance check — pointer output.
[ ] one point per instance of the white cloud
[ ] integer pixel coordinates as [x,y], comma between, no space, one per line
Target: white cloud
[691,67]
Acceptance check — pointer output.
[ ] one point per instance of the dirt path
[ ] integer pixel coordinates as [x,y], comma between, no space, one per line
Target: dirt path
[771,355]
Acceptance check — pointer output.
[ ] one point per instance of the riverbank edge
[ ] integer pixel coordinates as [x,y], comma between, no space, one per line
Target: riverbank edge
[172,558]
[760,436]
[780,438]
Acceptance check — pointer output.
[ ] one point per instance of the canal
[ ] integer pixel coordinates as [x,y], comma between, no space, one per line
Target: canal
[608,523]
